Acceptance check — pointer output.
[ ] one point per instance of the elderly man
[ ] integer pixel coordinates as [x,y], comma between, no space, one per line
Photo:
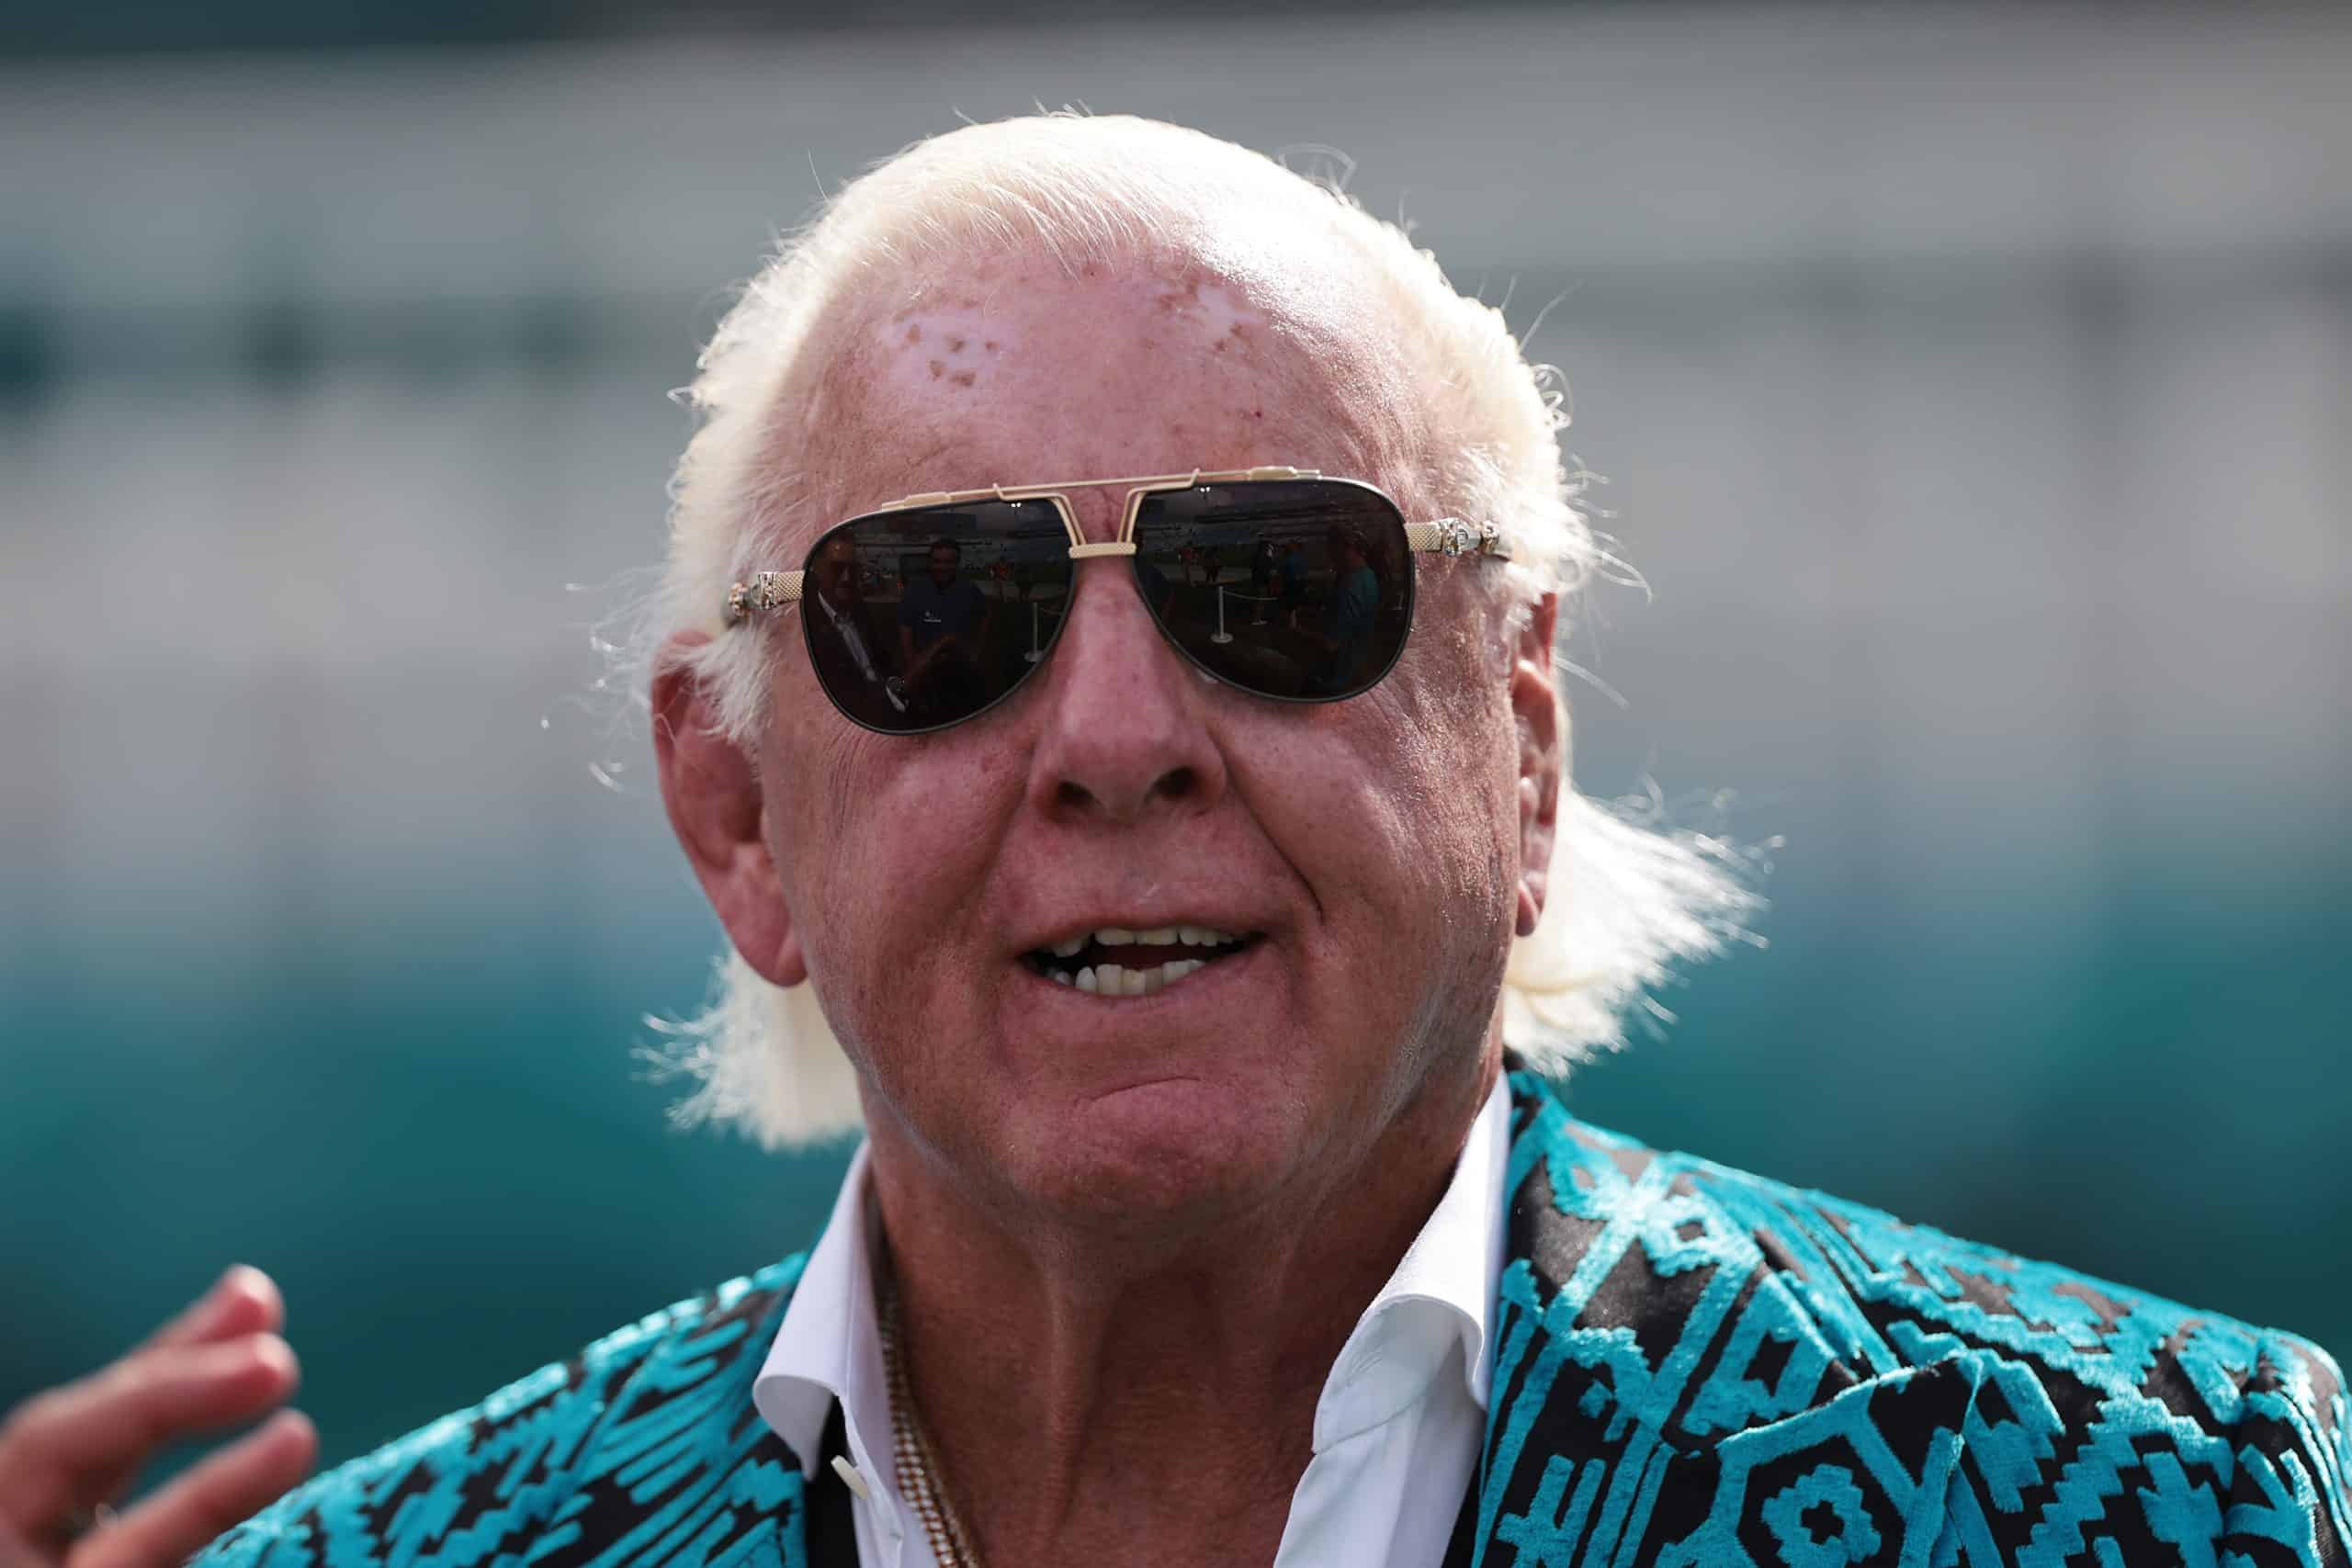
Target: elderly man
[1192,990]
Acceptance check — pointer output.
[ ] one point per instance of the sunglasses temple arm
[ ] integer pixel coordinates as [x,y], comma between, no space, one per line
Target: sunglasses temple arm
[1456,537]
[760,592]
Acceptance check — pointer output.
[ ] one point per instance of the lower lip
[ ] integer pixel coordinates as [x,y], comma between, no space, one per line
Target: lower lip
[1200,985]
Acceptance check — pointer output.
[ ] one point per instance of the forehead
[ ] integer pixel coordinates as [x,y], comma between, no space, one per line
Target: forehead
[1020,372]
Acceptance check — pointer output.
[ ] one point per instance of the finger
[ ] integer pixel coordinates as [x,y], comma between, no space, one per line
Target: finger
[223,1490]
[17,1553]
[62,1449]
[243,1301]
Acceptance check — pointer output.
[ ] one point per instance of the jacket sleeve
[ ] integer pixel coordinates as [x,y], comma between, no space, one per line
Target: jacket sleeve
[2292,1447]
[534,1472]
[460,1491]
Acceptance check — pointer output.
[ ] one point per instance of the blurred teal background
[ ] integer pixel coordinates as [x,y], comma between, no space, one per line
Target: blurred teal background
[1974,382]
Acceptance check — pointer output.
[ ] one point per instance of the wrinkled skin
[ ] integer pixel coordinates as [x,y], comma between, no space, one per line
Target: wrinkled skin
[1054,1167]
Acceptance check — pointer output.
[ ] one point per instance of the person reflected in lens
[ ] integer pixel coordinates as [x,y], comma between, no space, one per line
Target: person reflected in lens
[846,640]
[942,621]
[1344,632]
[1262,579]
[940,609]
[1294,568]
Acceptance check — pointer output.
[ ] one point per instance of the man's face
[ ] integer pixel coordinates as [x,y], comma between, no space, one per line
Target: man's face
[1369,851]
[943,567]
[837,571]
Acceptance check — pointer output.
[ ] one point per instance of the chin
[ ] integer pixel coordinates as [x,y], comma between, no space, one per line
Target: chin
[1171,1149]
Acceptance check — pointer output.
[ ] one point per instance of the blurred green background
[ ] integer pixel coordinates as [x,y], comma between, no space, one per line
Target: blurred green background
[1973,386]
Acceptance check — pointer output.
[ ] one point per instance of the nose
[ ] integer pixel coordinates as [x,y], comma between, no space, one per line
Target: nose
[1125,732]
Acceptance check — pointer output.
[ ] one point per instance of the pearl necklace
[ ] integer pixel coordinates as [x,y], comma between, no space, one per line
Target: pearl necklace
[910,1451]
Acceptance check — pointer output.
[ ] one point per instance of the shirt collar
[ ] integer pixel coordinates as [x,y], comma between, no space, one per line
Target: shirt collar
[1439,1296]
[830,1344]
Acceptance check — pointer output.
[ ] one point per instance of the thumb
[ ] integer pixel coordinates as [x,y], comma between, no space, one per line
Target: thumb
[15,1553]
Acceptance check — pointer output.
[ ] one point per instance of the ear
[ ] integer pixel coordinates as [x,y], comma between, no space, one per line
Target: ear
[1542,755]
[712,791]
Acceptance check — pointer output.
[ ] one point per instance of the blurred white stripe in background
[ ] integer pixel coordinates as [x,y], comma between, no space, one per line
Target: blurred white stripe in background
[1609,137]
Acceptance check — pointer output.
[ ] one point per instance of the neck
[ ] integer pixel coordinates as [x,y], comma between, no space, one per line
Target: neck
[1142,1398]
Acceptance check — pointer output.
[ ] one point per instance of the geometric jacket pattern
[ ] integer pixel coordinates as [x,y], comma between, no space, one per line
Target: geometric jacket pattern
[1694,1366]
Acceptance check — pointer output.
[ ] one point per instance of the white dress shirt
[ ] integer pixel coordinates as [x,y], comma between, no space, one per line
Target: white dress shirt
[1397,1428]
[852,638]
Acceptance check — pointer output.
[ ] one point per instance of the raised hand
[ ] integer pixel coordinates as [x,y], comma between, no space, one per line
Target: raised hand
[68,1454]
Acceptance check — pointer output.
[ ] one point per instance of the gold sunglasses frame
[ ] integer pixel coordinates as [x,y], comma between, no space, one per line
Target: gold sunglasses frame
[767,591]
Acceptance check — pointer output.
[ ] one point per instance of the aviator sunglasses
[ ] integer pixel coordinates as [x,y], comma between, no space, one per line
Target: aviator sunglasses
[1278,581]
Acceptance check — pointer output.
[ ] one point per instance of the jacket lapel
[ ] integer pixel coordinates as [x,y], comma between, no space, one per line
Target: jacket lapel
[1660,1394]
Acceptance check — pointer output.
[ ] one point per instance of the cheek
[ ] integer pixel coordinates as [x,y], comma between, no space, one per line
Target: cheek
[882,844]
[1399,808]
[1449,748]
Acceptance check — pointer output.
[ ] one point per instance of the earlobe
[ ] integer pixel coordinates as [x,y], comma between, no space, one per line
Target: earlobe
[717,808]
[1542,756]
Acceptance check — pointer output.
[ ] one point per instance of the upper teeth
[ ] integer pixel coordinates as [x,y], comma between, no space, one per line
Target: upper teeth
[1158,936]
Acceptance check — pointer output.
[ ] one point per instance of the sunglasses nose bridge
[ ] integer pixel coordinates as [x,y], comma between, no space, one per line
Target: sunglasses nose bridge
[1098,512]
[1107,619]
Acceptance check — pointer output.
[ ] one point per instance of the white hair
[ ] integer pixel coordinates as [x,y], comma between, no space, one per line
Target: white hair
[1629,897]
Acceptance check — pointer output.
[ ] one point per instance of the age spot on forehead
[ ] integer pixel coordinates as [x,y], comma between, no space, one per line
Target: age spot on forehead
[1217,312]
[955,344]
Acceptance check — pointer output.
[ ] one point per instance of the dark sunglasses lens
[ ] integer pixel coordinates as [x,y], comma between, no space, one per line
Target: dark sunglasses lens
[921,618]
[1296,589]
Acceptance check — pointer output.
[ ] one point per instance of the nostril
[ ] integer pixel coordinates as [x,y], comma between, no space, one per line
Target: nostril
[1175,785]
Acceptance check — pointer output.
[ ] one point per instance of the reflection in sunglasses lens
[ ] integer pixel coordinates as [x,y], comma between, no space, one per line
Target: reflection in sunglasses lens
[1295,589]
[1300,589]
[921,618]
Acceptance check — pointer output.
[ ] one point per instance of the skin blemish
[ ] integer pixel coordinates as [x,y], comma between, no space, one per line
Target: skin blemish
[1215,312]
[958,343]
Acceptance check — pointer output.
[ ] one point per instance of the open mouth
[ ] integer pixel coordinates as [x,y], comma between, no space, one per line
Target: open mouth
[1113,961]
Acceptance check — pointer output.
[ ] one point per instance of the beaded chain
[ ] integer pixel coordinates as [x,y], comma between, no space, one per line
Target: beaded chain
[910,1451]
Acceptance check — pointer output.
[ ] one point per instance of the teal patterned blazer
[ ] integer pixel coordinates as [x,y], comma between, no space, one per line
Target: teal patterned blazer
[1693,1366]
